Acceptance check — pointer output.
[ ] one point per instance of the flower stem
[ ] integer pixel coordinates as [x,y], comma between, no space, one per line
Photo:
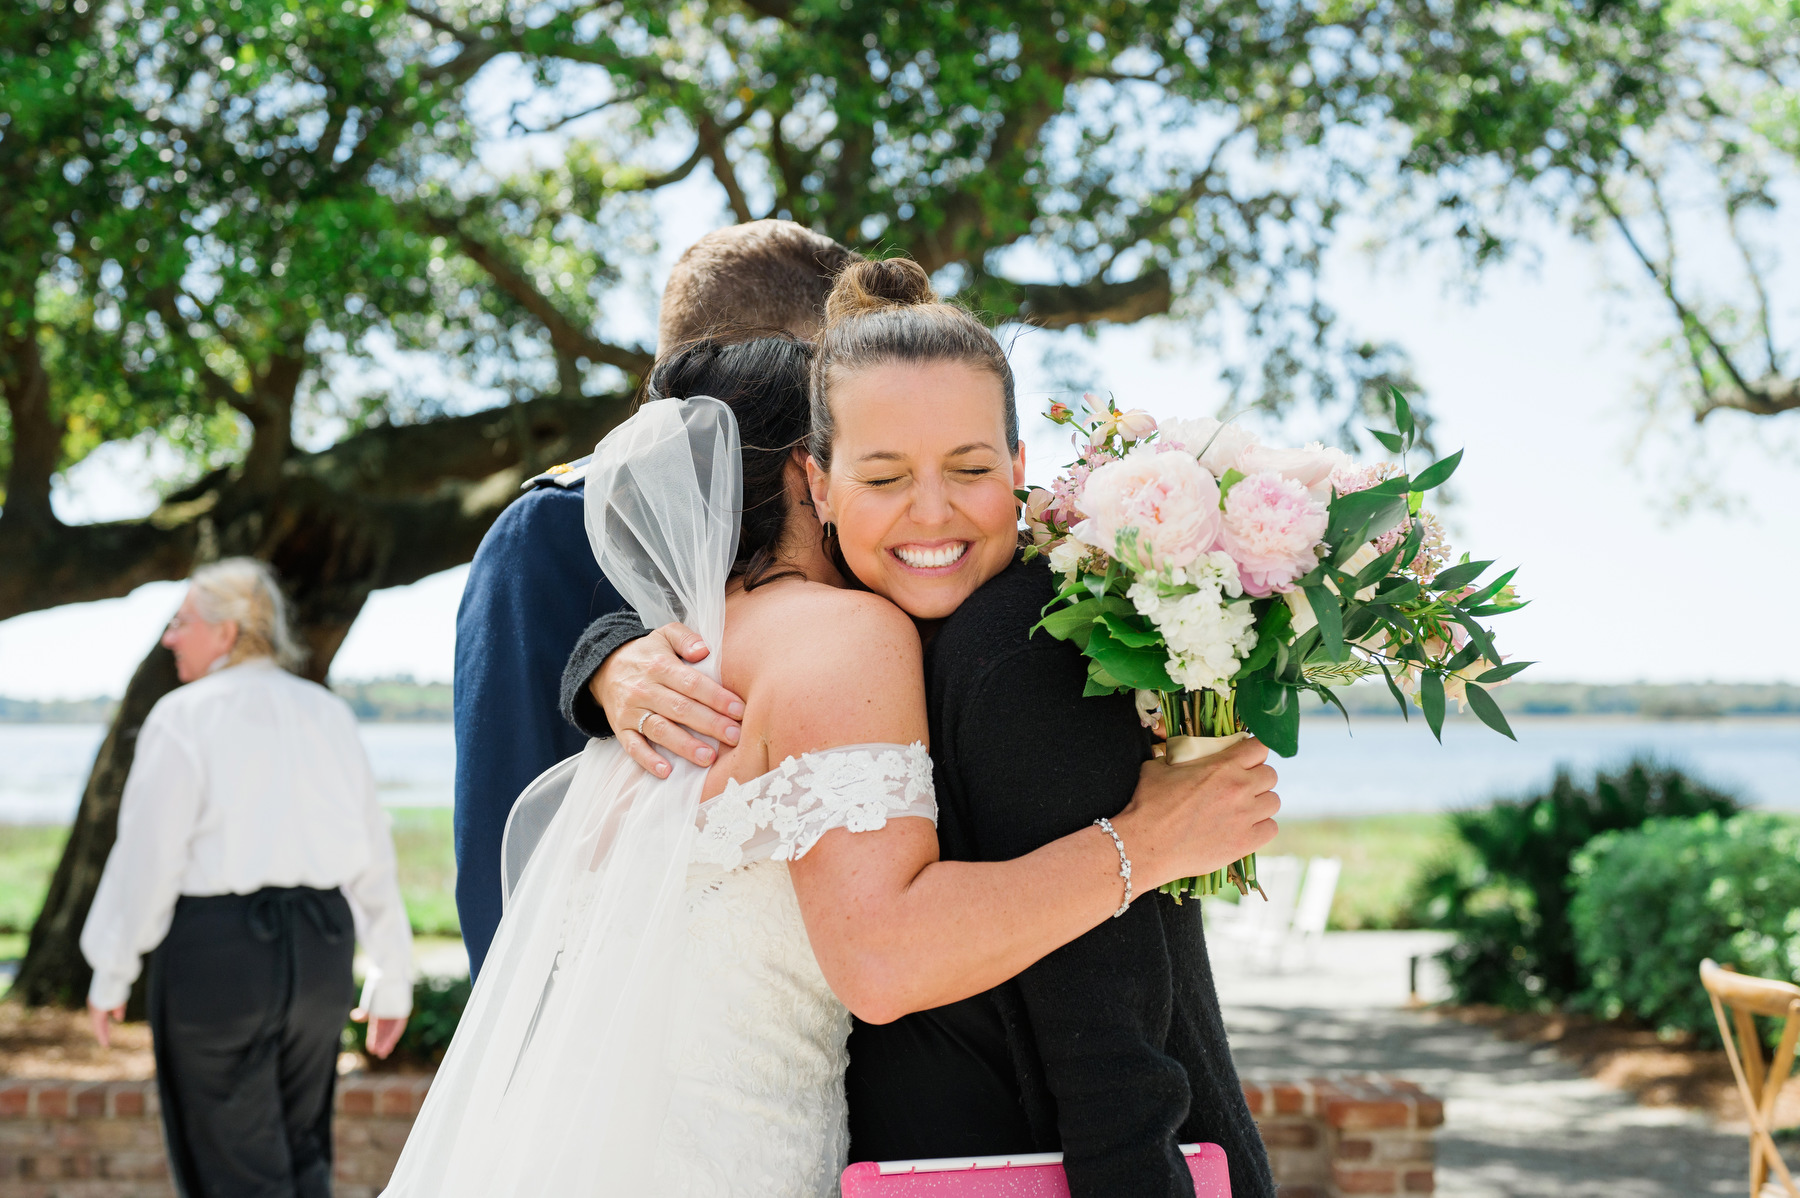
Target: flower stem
[1208,713]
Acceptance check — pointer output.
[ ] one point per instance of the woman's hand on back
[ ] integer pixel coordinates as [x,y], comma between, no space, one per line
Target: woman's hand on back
[1187,820]
[652,694]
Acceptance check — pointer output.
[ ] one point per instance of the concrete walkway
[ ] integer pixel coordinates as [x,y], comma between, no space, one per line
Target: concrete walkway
[1519,1121]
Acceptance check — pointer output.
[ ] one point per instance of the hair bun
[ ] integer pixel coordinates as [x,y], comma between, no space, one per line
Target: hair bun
[874,284]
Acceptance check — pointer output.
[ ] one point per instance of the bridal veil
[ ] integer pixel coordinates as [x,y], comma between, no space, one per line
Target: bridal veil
[557,1081]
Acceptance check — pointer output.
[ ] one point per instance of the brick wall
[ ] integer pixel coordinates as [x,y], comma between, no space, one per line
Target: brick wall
[1331,1138]
[104,1139]
[1326,1138]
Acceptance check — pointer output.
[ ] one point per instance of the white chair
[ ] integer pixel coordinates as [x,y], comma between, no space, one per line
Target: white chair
[1252,923]
[1313,909]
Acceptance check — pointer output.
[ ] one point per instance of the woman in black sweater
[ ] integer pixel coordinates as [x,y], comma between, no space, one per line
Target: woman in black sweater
[1111,1048]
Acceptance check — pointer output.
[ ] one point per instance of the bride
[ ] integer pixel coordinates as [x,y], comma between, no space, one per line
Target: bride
[666,1004]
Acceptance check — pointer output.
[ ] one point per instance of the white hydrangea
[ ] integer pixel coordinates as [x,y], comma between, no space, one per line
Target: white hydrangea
[1208,633]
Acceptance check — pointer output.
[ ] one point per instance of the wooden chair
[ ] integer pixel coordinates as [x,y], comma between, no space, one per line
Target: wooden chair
[1748,997]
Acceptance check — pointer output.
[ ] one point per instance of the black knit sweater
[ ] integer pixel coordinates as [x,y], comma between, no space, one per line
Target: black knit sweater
[1112,1048]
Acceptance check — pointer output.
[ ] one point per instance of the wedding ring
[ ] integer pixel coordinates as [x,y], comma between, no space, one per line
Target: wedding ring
[641,719]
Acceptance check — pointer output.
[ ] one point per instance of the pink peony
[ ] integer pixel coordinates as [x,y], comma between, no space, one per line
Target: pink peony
[1271,528]
[1218,446]
[1168,498]
[1312,467]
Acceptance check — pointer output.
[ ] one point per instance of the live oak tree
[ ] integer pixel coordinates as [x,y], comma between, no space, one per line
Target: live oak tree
[264,234]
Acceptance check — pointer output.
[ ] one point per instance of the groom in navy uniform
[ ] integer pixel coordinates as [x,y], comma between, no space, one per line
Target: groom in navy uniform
[534,586]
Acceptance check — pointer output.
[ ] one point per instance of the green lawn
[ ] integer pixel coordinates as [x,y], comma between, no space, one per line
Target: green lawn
[28,856]
[1382,854]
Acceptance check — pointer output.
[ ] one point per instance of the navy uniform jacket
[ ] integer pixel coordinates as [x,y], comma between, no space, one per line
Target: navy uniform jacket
[533,588]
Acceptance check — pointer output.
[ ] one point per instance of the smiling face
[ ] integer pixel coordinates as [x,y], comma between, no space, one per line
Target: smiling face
[195,643]
[921,483]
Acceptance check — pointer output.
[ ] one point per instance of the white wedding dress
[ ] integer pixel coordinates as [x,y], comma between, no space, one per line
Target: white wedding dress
[758,1052]
[651,1019]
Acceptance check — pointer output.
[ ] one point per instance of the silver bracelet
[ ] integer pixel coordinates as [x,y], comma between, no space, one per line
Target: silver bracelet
[1105,825]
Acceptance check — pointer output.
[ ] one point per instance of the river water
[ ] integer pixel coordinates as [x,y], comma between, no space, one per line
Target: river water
[1386,766]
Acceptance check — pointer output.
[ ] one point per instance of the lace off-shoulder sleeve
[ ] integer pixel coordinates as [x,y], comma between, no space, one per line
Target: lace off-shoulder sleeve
[783,813]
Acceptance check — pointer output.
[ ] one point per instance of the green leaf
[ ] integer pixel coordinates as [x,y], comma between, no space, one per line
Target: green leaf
[1394,689]
[1271,630]
[1268,709]
[1455,577]
[1399,593]
[1330,615]
[1465,656]
[1397,484]
[1330,696]
[1483,705]
[1139,669]
[1438,473]
[1358,516]
[1502,673]
[1490,590]
[1228,480]
[1403,417]
[1477,634]
[1496,609]
[1134,631]
[1099,681]
[1393,441]
[1431,698]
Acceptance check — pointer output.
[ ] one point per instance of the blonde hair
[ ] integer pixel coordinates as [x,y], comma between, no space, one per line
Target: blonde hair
[887,311]
[244,591]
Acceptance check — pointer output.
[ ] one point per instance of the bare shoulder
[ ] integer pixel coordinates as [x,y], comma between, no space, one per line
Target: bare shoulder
[830,667]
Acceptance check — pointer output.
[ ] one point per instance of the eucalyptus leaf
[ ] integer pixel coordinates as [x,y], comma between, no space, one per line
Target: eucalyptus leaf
[1431,698]
[1488,711]
[1438,473]
[1330,696]
[1331,622]
[1452,578]
[1394,689]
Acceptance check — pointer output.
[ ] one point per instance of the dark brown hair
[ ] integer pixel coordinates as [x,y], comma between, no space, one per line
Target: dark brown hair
[765,274]
[887,311]
[763,382]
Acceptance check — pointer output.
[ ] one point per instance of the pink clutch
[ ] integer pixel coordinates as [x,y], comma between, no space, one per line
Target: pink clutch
[1034,1175]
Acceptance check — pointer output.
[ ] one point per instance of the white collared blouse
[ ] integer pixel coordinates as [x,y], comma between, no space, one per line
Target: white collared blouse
[246,778]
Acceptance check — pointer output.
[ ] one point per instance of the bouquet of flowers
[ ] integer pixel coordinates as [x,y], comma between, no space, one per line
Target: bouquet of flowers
[1219,579]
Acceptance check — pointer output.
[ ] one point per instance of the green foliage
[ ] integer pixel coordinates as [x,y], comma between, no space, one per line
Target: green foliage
[1652,903]
[437,1007]
[1508,900]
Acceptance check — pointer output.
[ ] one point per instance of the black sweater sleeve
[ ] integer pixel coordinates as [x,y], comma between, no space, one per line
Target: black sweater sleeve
[602,637]
[1036,761]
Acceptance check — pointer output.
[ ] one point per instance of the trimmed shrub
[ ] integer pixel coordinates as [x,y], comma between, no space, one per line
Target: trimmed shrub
[437,1007]
[1651,904]
[1510,907]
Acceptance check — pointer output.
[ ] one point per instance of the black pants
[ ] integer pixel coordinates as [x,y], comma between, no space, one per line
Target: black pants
[248,996]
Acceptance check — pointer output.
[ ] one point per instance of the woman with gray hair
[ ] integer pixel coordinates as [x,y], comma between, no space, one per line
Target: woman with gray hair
[251,855]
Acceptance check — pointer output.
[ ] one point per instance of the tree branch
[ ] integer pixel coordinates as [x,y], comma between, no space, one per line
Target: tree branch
[712,141]
[1059,306]
[566,335]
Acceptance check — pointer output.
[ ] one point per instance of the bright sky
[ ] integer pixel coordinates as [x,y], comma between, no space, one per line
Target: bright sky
[1539,377]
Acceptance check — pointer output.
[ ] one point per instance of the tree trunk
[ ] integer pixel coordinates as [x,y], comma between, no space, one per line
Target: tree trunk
[54,972]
